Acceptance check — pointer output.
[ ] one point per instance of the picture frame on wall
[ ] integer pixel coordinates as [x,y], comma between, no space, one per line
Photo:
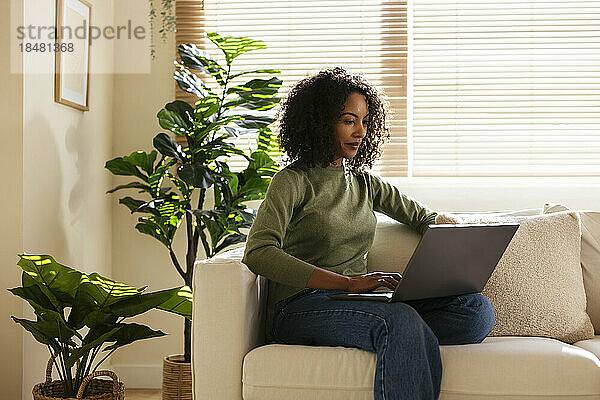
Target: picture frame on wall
[72,53]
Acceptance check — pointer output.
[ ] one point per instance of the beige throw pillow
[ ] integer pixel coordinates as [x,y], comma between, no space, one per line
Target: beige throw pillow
[537,286]
[590,258]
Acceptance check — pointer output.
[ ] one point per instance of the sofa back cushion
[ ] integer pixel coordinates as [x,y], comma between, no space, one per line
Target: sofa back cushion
[394,243]
[590,259]
[537,287]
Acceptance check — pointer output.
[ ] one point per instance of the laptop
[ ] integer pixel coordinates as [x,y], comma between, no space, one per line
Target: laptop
[450,260]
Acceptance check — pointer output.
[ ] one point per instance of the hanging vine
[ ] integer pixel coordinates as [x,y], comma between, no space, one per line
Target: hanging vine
[166,12]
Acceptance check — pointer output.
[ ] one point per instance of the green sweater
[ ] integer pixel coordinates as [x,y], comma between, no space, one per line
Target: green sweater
[324,217]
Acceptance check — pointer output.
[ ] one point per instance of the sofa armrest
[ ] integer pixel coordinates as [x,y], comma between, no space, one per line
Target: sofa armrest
[227,322]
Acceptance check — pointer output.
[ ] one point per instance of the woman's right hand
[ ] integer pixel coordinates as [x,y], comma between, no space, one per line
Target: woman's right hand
[368,282]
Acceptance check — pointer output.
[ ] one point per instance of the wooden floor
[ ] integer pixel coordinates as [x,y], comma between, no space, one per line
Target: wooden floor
[142,394]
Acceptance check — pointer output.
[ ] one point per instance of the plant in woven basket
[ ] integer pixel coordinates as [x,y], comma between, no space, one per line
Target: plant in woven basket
[67,303]
[228,111]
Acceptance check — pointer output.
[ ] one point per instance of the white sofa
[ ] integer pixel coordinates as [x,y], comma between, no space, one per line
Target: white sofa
[230,360]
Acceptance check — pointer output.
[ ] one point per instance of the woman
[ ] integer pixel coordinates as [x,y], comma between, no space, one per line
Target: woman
[315,226]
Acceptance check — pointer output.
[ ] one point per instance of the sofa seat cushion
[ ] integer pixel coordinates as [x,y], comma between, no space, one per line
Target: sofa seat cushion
[591,345]
[279,371]
[500,367]
[517,366]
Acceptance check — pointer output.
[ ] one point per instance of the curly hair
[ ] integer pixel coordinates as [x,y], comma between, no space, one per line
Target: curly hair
[314,105]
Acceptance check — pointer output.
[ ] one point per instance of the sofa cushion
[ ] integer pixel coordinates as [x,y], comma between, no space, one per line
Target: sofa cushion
[500,367]
[394,243]
[592,345]
[537,286]
[279,371]
[590,258]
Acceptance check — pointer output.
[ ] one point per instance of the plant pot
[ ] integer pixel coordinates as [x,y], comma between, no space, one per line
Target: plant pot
[97,389]
[177,378]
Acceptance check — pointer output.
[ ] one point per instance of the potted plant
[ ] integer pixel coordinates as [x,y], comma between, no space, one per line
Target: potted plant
[203,129]
[68,302]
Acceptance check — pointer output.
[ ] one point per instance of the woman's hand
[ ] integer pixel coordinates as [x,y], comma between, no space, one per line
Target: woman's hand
[367,282]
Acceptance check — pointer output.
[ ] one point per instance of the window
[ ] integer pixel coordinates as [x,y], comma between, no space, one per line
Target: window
[506,88]
[477,88]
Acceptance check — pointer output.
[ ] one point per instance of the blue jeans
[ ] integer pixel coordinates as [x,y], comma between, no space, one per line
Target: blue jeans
[405,336]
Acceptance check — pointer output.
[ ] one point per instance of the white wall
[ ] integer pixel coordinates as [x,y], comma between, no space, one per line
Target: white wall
[139,259]
[66,211]
[11,204]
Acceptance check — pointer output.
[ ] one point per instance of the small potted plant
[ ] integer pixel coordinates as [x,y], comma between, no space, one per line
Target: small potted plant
[68,303]
[188,166]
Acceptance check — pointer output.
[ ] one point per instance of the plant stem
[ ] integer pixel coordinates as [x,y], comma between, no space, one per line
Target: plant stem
[89,365]
[60,375]
[80,370]
[63,355]
[176,262]
[190,256]
[187,337]
[68,380]
[222,99]
[101,361]
[195,239]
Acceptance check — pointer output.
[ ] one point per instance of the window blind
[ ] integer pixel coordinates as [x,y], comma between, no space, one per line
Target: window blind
[506,88]
[365,36]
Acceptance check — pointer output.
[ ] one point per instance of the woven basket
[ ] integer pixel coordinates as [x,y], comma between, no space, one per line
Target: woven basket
[97,389]
[177,379]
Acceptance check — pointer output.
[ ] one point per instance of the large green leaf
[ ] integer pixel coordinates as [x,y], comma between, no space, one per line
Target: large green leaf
[253,189]
[131,203]
[51,323]
[194,58]
[180,303]
[247,215]
[58,282]
[142,159]
[268,143]
[215,230]
[235,46]
[181,186]
[207,156]
[254,121]
[189,82]
[132,185]
[119,166]
[206,107]
[171,121]
[167,146]
[256,71]
[262,163]
[164,226]
[195,175]
[214,126]
[103,292]
[130,333]
[150,227]
[155,180]
[142,302]
[162,207]
[257,89]
[38,330]
[56,327]
[79,313]
[235,103]
[205,213]
[229,241]
[261,104]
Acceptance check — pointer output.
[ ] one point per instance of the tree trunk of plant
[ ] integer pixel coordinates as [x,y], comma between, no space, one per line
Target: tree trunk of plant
[187,337]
